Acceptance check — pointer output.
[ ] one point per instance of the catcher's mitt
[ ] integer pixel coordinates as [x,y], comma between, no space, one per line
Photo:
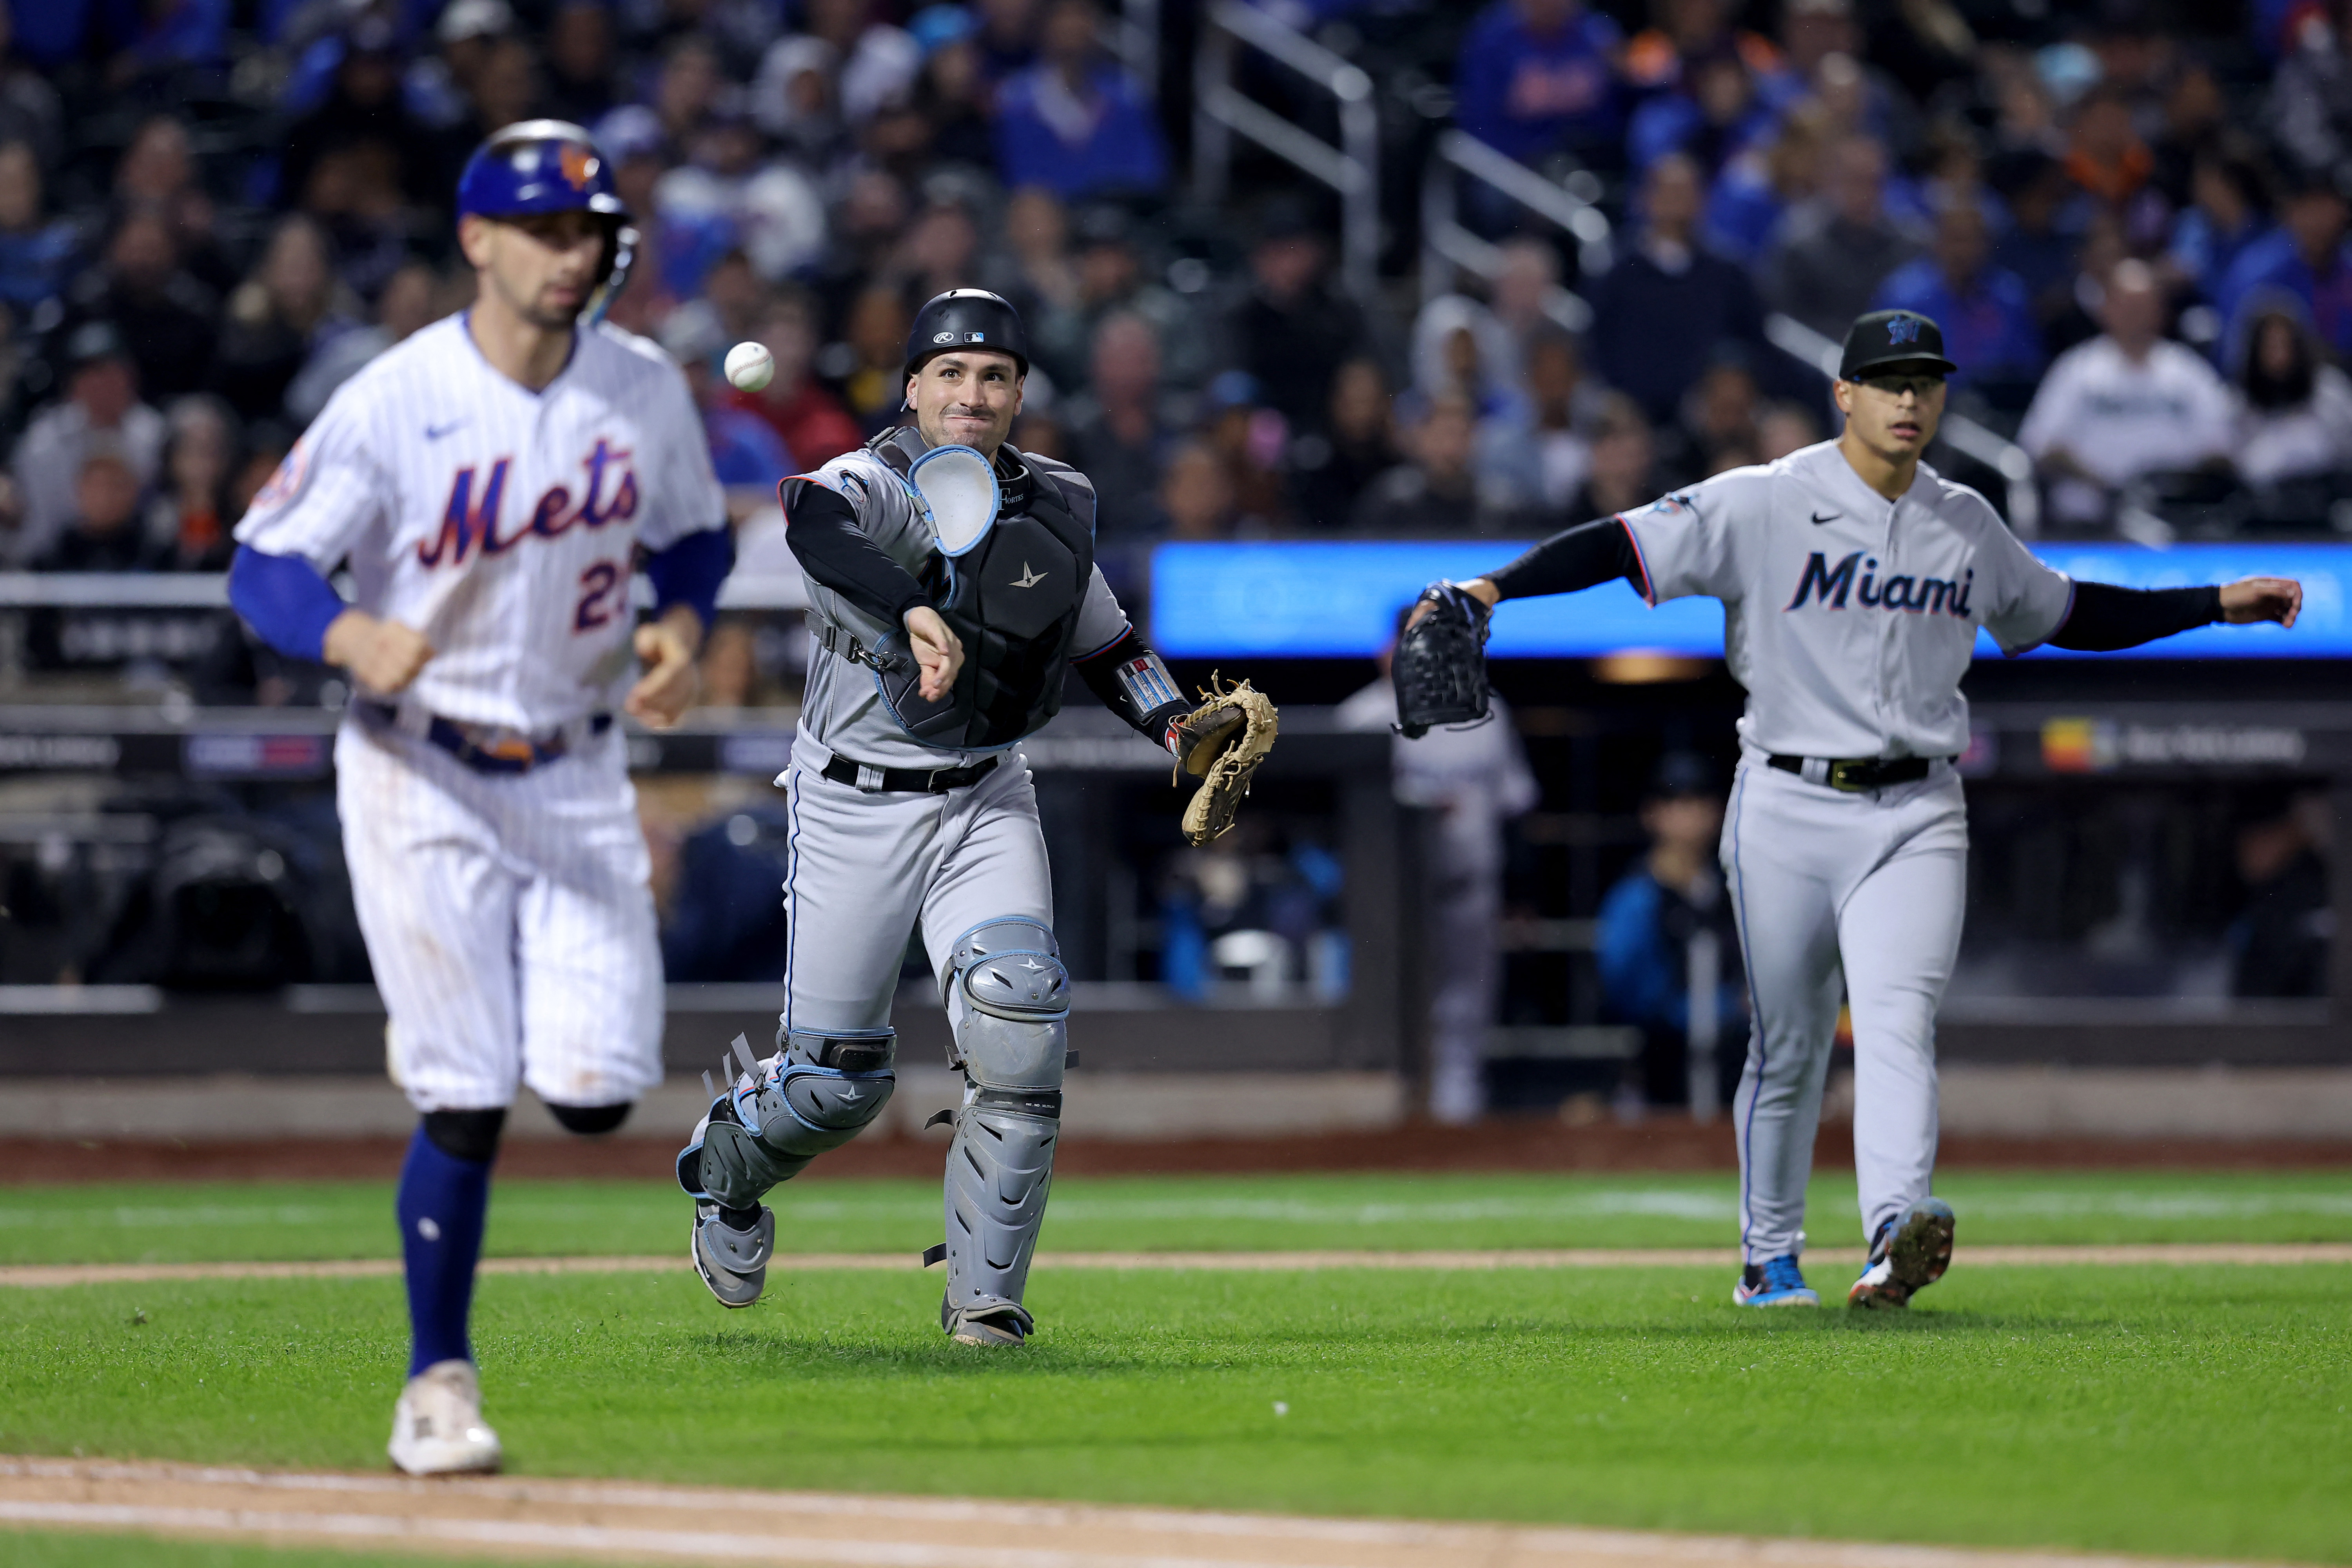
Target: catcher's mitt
[1222,742]
[1440,664]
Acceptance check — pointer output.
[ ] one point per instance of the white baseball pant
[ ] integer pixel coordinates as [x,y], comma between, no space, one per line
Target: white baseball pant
[508,921]
[1864,888]
[864,871]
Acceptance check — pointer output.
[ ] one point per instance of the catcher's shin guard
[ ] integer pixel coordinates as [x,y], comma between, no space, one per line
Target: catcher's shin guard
[1013,1041]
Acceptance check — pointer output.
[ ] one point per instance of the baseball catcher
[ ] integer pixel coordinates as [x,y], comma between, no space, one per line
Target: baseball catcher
[1440,664]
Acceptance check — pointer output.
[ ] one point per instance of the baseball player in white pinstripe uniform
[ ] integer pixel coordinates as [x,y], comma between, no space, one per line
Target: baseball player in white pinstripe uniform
[493,484]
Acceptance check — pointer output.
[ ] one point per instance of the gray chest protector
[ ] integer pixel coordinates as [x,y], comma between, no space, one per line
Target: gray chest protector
[1010,588]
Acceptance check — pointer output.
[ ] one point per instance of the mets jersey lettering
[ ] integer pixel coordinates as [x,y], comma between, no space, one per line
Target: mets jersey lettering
[500,522]
[1798,550]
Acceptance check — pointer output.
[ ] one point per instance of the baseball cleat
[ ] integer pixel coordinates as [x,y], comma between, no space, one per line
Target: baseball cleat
[1910,1253]
[732,1258]
[1775,1282]
[436,1427]
[988,1322]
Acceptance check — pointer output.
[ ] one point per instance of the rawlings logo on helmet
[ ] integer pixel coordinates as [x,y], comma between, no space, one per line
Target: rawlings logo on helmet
[943,337]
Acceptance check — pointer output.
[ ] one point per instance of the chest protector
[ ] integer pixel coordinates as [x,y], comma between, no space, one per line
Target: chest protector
[1012,594]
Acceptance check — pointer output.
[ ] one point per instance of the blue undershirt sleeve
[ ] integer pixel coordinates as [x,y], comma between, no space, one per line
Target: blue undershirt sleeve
[690,571]
[285,600]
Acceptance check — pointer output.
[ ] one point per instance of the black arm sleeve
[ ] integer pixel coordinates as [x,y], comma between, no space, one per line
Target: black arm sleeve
[832,550]
[2106,617]
[1099,670]
[1581,557]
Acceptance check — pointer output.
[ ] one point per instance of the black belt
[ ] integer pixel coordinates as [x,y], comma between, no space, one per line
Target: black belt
[485,748]
[904,780]
[1854,774]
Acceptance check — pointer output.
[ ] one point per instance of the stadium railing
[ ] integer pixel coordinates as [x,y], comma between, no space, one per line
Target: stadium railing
[1447,245]
[1221,110]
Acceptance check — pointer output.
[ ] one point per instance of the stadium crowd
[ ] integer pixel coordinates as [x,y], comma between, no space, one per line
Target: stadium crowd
[2130,218]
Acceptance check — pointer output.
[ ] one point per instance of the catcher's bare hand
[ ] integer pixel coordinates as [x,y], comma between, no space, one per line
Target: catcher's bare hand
[939,652]
[671,681]
[1478,588]
[382,655]
[2253,599]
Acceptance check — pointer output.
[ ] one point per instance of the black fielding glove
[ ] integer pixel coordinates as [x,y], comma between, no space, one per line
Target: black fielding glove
[1440,664]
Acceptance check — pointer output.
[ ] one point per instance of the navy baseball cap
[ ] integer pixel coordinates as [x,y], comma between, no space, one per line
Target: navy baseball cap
[1885,338]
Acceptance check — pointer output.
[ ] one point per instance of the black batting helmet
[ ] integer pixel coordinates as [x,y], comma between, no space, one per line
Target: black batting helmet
[967,319]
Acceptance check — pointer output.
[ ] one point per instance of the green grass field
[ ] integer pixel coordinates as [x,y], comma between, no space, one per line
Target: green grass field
[2159,1409]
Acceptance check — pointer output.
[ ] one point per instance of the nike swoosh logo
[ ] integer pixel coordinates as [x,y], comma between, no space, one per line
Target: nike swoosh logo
[434,432]
[1827,516]
[1030,576]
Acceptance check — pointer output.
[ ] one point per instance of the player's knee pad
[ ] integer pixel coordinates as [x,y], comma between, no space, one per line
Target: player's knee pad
[1014,1034]
[469,1135]
[817,1092]
[590,1120]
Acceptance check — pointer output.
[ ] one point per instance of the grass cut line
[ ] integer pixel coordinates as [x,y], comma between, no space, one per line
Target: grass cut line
[704,1524]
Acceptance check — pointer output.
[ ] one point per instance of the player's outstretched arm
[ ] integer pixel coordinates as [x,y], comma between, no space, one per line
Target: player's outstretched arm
[2104,618]
[1582,557]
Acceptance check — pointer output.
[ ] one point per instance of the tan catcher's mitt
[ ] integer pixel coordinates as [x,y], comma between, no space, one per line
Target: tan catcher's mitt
[1221,742]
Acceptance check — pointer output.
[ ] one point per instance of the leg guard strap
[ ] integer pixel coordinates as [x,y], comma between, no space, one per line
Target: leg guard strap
[817,1093]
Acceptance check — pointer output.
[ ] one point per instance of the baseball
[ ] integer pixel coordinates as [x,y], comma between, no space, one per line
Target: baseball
[751,367]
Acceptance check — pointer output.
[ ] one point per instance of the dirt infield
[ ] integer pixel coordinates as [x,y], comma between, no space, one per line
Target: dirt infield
[1523,1143]
[511,1517]
[2178,1254]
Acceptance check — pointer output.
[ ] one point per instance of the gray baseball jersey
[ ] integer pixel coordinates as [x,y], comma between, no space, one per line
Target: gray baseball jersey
[1849,618]
[841,708]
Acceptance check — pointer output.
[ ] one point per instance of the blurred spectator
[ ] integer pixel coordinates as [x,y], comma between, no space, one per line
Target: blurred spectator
[870,63]
[2196,118]
[30,109]
[158,173]
[2280,942]
[103,533]
[267,443]
[1117,431]
[1543,455]
[864,230]
[1252,441]
[2225,215]
[35,251]
[1008,37]
[733,289]
[670,261]
[1624,463]
[875,338]
[773,212]
[1660,311]
[690,82]
[2043,238]
[287,310]
[505,89]
[155,43]
[1460,350]
[1812,32]
[2309,112]
[1196,494]
[100,409]
[1759,184]
[2306,257]
[1659,58]
[1783,428]
[1719,417]
[1522,287]
[1330,470]
[1672,897]
[1834,253]
[1438,493]
[165,315]
[1032,268]
[2105,155]
[186,524]
[815,428]
[582,68]
[795,102]
[1291,332]
[365,108]
[1538,77]
[1716,115]
[408,306]
[1987,320]
[749,458]
[2124,405]
[950,93]
[1074,122]
[939,251]
[2295,410]
[438,86]
[1108,274]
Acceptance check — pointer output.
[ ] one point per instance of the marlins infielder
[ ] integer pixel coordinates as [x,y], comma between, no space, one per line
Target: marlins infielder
[952,585]
[1853,579]
[493,482]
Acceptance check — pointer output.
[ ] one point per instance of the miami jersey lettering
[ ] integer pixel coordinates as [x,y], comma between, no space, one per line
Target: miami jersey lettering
[499,523]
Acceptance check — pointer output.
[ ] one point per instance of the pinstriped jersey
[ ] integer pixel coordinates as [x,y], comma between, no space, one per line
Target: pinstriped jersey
[1849,618]
[499,523]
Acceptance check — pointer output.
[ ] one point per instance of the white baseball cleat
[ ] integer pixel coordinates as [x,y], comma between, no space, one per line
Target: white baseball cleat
[1911,1253]
[437,1429]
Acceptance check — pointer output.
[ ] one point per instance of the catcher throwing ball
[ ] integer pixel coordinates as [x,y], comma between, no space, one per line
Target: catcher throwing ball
[1854,580]
[952,583]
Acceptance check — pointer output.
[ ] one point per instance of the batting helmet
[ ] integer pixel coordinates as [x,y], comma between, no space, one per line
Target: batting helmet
[549,167]
[967,318]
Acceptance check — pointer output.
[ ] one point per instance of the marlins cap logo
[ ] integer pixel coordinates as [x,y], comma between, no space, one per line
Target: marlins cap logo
[1902,330]
[578,164]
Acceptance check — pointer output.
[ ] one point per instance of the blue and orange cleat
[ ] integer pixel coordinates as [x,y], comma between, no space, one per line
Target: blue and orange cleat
[1775,1282]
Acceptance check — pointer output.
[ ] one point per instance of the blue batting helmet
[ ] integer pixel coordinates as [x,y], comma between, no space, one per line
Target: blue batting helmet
[550,166]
